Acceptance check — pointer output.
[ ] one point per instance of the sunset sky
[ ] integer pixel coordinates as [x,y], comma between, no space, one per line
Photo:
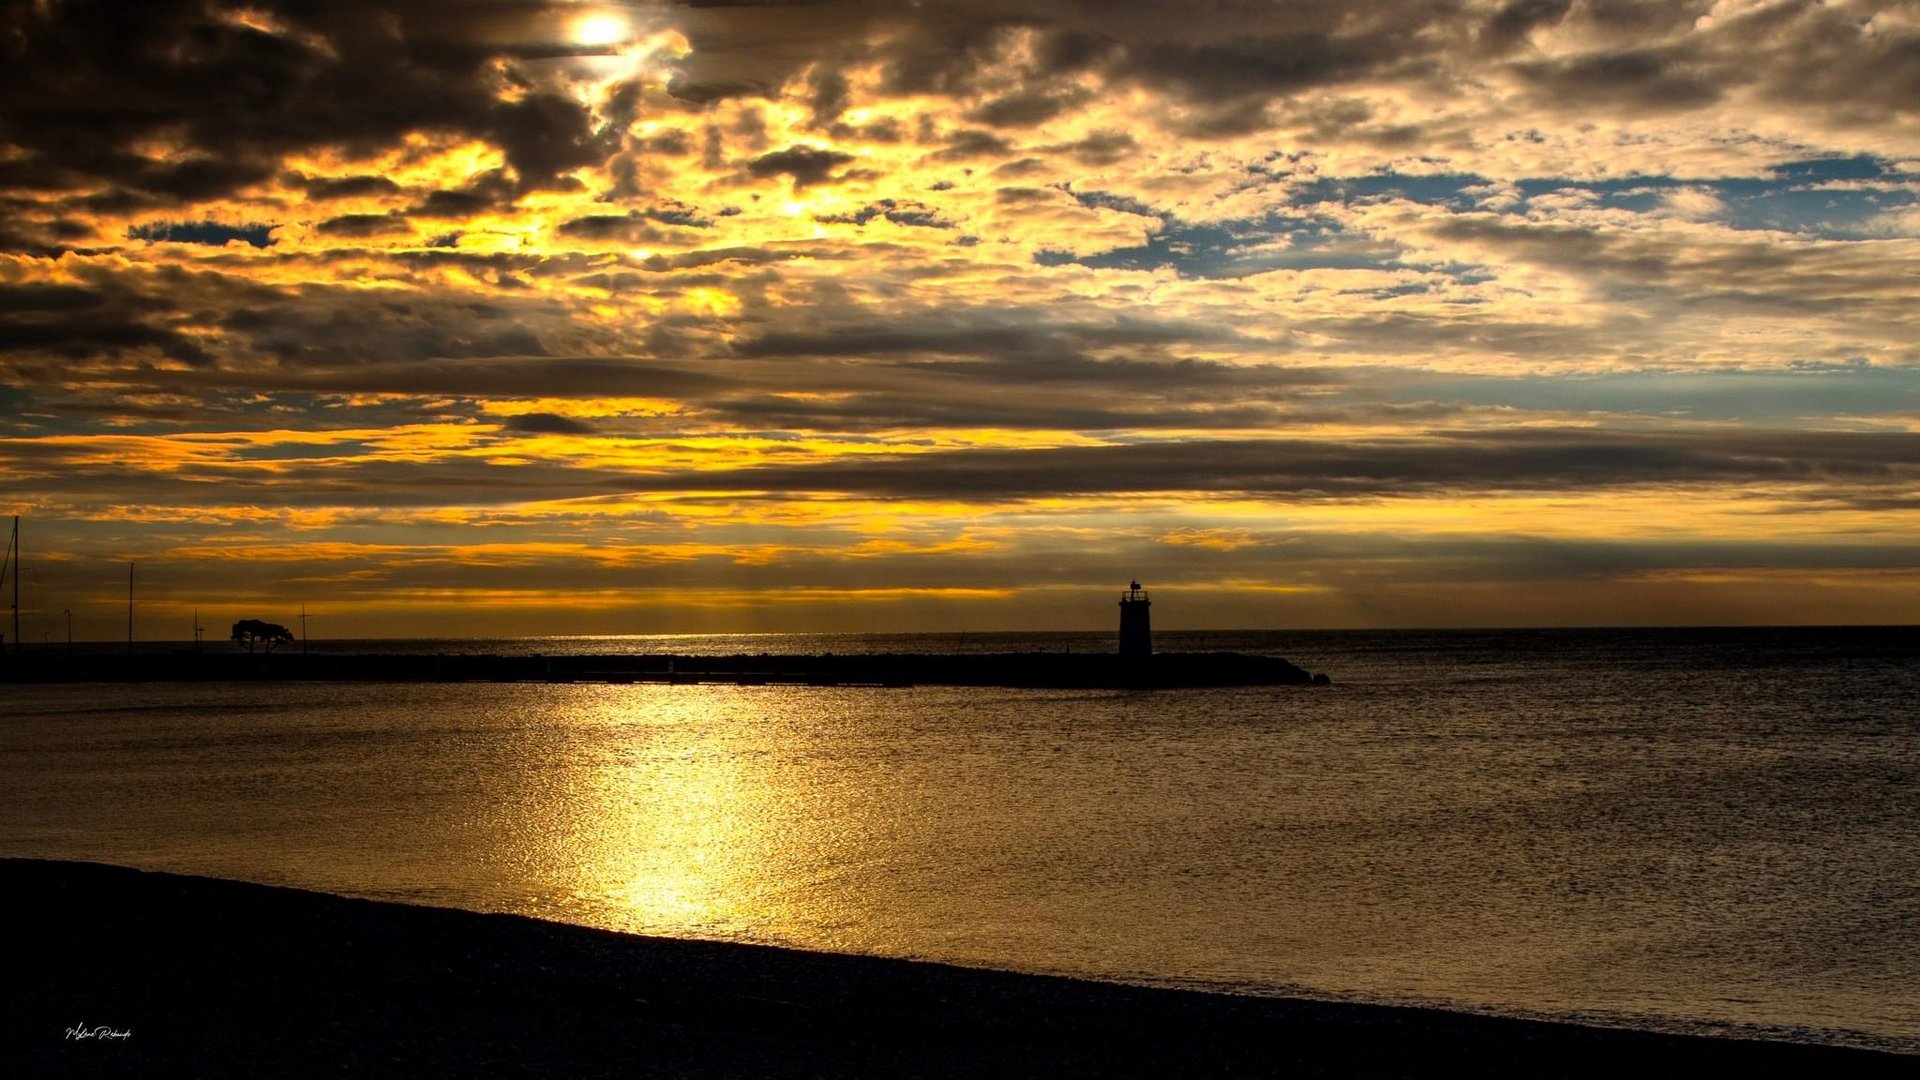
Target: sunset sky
[472,317]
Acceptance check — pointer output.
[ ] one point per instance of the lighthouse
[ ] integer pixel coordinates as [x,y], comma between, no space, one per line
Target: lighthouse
[1136,631]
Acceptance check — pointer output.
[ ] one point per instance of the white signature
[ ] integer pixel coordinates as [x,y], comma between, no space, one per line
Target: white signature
[98,1031]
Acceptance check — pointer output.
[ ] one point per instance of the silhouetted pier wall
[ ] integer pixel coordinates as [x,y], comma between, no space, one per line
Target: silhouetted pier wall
[1036,670]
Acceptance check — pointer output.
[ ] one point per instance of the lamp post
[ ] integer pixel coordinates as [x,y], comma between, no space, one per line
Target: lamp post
[69,614]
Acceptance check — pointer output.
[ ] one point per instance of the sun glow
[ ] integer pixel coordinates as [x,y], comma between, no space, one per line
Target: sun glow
[600,27]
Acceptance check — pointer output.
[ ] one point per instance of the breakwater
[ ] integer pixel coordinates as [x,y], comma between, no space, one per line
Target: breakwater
[1025,670]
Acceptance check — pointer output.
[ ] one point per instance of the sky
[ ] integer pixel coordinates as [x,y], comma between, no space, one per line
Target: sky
[481,317]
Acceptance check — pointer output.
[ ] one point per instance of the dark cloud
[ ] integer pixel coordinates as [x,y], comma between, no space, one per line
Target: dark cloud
[1002,332]
[250,335]
[637,225]
[1855,465]
[1510,25]
[1068,393]
[828,96]
[1216,72]
[346,187]
[653,225]
[83,336]
[1226,60]
[49,298]
[900,212]
[88,88]
[632,228]
[1861,70]
[973,143]
[329,327]
[484,377]
[102,319]
[1730,274]
[1541,460]
[1024,167]
[1021,110]
[359,483]
[707,93]
[1226,120]
[540,423]
[745,255]
[545,135]
[364,225]
[1526,460]
[195,179]
[483,191]
[806,165]
[886,129]
[1017,196]
[1645,78]
[1101,148]
[673,143]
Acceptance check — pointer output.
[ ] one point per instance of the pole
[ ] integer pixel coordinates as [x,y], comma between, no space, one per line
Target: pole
[303,629]
[16,583]
[129,609]
[69,615]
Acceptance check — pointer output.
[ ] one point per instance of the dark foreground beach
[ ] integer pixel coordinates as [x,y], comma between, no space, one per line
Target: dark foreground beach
[116,972]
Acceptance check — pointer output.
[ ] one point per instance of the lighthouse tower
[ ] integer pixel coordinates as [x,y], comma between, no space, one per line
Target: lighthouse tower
[1136,631]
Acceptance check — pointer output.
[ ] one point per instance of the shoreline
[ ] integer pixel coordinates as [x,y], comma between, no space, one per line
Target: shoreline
[216,978]
[1025,670]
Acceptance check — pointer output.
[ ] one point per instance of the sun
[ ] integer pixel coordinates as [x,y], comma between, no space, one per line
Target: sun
[600,28]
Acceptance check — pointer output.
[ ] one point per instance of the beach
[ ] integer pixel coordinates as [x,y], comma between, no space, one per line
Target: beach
[117,972]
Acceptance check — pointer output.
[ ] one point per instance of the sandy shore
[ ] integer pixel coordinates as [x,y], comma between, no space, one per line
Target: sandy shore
[217,978]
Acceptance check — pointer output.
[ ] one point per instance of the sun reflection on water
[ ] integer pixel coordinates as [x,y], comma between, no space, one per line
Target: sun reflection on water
[681,824]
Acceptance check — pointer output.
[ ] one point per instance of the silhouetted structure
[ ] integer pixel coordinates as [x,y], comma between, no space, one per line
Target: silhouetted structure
[1040,670]
[1136,630]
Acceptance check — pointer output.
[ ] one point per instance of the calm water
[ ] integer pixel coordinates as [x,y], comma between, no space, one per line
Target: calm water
[1682,829]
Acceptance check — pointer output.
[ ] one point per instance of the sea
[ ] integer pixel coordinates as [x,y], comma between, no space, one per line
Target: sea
[1700,830]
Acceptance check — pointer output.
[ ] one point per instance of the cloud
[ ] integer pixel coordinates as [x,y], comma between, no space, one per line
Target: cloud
[908,213]
[364,225]
[547,424]
[1645,78]
[1523,460]
[346,187]
[180,103]
[1021,110]
[806,165]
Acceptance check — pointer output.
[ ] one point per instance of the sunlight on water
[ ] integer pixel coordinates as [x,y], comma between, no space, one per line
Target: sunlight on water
[665,813]
[672,837]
